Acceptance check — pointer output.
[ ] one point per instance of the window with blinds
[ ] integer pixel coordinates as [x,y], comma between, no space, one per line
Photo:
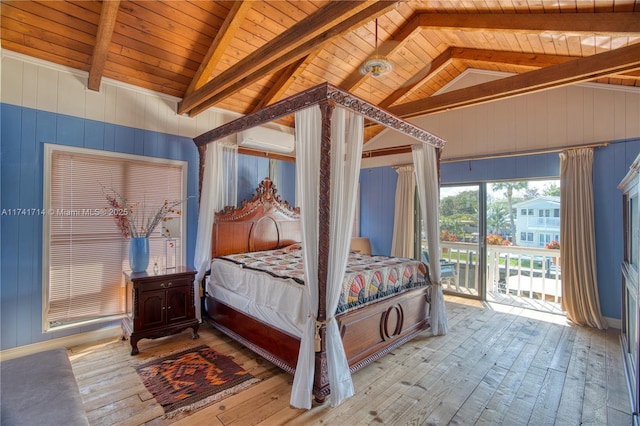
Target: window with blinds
[85,253]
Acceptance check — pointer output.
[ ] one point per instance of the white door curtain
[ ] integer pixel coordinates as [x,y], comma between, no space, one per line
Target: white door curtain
[580,298]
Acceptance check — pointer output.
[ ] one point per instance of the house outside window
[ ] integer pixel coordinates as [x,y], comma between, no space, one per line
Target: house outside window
[540,222]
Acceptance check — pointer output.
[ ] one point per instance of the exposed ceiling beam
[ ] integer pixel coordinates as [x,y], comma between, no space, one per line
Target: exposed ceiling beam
[565,23]
[610,24]
[534,60]
[592,67]
[302,31]
[285,80]
[221,42]
[333,20]
[106,25]
[441,61]
[481,55]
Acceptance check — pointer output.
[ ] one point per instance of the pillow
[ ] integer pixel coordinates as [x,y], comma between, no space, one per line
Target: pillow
[292,247]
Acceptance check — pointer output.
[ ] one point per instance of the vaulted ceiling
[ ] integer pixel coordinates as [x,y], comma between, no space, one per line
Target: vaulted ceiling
[243,55]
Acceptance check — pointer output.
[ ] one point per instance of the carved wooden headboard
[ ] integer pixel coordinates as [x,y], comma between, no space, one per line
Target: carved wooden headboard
[264,223]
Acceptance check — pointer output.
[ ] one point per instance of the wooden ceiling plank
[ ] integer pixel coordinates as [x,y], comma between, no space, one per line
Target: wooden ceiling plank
[284,82]
[88,11]
[36,25]
[136,67]
[71,16]
[103,39]
[37,37]
[33,47]
[158,85]
[157,55]
[621,60]
[160,65]
[608,24]
[122,68]
[170,23]
[433,68]
[143,33]
[221,42]
[330,21]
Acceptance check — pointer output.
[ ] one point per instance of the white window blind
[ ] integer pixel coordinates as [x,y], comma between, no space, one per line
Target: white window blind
[86,251]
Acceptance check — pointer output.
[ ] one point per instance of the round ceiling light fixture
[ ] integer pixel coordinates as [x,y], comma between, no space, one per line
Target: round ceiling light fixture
[376,65]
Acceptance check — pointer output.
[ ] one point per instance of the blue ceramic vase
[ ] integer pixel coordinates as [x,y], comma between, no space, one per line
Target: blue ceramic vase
[139,254]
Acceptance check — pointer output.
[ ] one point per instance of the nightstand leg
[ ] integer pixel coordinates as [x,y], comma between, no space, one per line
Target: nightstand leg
[134,346]
[195,335]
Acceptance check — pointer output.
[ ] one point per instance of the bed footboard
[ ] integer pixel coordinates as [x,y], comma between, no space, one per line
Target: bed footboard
[374,330]
[368,333]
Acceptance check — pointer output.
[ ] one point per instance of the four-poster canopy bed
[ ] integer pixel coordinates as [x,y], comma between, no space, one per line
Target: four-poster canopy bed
[337,321]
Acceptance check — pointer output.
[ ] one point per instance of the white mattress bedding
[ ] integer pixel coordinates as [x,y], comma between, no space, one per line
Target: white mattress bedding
[276,301]
[268,286]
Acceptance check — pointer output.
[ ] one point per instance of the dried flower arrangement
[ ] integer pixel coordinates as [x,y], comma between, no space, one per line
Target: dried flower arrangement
[136,219]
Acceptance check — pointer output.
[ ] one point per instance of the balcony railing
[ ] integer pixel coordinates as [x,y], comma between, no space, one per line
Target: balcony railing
[527,272]
[542,223]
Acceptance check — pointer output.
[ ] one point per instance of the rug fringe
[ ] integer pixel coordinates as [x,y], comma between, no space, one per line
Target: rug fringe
[211,399]
[139,363]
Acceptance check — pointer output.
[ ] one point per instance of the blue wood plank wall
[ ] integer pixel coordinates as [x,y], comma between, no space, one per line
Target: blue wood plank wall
[377,187]
[610,165]
[252,170]
[377,198]
[286,181]
[24,132]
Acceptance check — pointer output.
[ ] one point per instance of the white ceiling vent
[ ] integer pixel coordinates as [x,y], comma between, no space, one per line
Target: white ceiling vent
[267,139]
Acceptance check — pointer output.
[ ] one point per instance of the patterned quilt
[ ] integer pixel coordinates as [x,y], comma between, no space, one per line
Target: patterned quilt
[367,278]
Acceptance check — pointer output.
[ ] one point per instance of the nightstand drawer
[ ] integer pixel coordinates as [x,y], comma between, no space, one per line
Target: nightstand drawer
[164,284]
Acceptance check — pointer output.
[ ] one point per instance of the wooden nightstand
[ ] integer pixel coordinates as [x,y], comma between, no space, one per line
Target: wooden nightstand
[159,305]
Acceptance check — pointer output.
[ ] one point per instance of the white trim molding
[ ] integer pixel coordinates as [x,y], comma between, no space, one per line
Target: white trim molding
[63,342]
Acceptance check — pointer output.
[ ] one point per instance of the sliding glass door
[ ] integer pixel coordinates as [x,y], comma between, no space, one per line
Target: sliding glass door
[461,231]
[499,241]
[523,239]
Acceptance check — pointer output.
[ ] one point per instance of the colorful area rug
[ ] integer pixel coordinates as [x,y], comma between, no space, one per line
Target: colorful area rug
[193,378]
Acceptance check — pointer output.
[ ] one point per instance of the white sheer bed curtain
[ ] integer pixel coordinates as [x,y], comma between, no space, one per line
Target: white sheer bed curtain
[403,221]
[346,152]
[219,189]
[425,161]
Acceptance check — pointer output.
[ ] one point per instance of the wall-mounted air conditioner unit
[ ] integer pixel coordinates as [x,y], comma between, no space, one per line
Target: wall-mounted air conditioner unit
[267,139]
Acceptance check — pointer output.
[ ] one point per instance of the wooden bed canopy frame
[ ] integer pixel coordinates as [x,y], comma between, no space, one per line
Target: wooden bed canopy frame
[266,222]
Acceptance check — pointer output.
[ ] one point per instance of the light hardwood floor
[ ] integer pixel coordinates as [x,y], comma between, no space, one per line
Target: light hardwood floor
[497,365]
